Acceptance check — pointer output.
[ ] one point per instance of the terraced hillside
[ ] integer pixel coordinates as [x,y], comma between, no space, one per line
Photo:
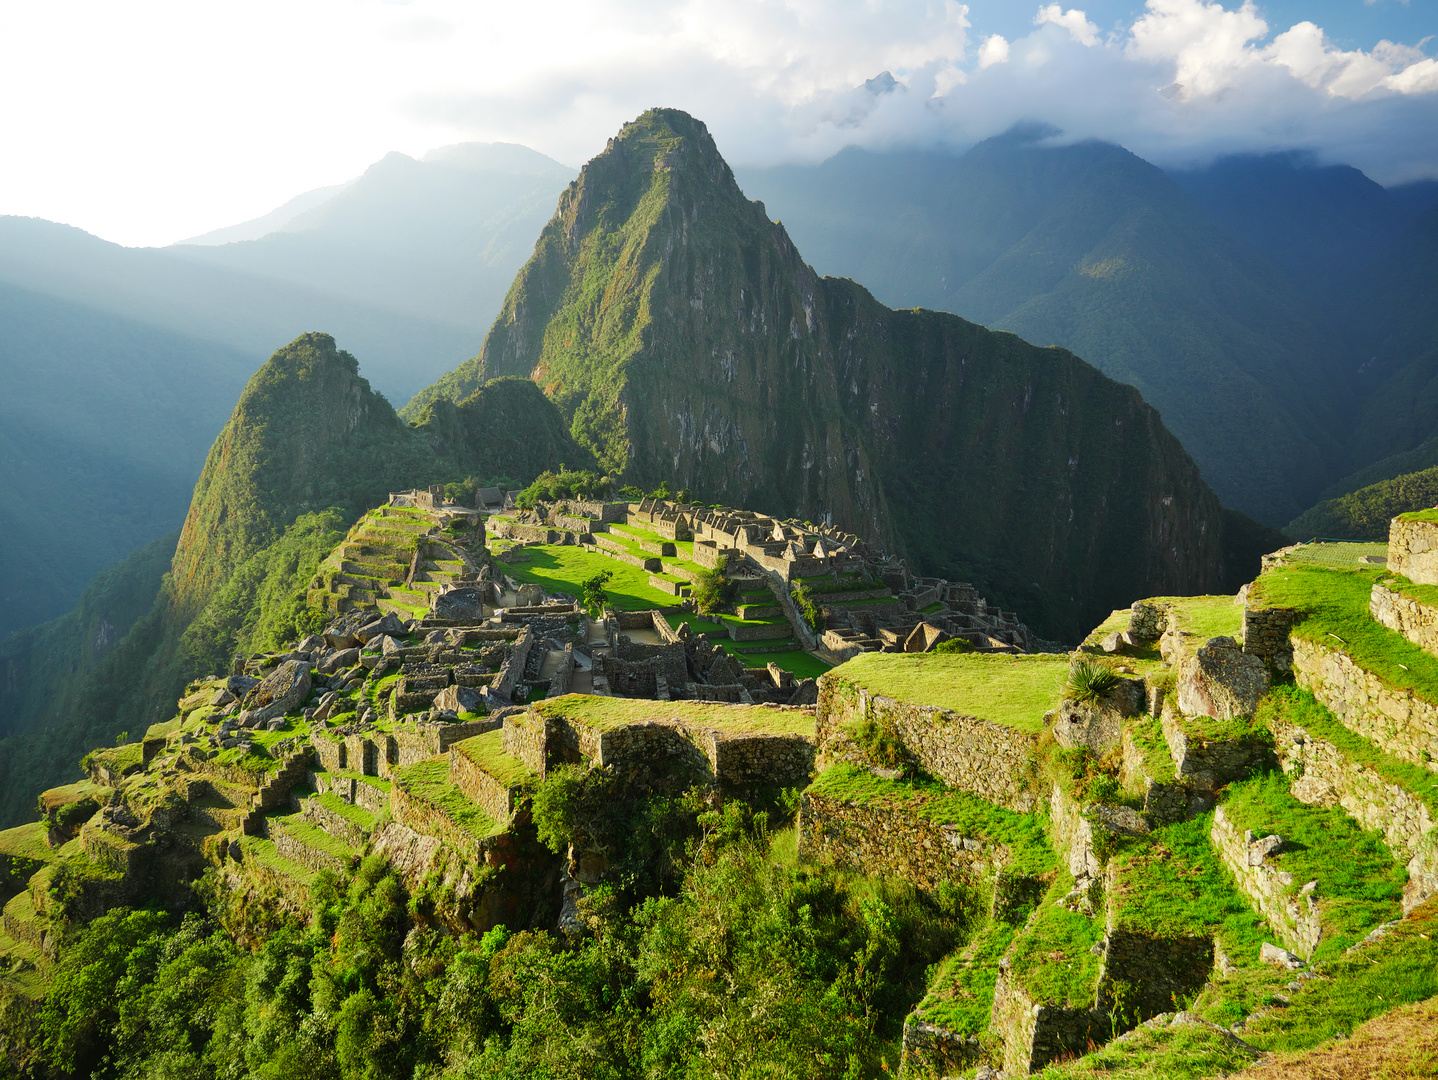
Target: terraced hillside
[1204,837]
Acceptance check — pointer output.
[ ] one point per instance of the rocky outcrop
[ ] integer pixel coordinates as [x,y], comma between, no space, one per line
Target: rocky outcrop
[1221,680]
[282,691]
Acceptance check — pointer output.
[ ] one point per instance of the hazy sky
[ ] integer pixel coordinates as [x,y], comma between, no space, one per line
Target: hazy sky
[149,121]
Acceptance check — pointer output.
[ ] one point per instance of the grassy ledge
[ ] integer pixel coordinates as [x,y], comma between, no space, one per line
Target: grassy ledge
[1334,613]
[428,781]
[606,713]
[1014,691]
[487,751]
[1052,957]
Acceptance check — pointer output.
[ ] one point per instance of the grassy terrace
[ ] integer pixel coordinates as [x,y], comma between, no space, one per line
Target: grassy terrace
[1147,735]
[1014,691]
[607,713]
[356,815]
[266,854]
[1401,968]
[487,751]
[311,835]
[1359,883]
[1334,613]
[1023,834]
[428,781]
[1290,704]
[564,568]
[26,842]
[1171,883]
[1052,957]
[961,993]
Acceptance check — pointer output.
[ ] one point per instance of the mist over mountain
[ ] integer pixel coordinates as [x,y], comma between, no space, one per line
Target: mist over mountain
[438,239]
[1089,247]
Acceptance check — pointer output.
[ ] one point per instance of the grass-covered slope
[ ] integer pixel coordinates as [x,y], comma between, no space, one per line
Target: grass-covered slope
[685,340]
[1364,514]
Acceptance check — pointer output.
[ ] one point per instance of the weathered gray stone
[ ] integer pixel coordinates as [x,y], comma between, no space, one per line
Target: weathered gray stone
[1413,550]
[1146,621]
[283,689]
[389,624]
[463,603]
[339,659]
[1222,681]
[459,699]
[1272,954]
[1294,918]
[1113,643]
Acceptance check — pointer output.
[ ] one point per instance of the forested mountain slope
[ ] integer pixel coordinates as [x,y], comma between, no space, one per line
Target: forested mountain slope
[683,337]
[1089,247]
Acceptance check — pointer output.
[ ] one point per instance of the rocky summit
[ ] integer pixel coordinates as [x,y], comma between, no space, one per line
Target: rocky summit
[685,339]
[721,675]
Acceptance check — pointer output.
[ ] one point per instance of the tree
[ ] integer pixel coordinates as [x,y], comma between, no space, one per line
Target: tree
[593,594]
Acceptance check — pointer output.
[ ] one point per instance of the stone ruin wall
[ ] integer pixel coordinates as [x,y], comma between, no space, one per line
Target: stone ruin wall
[1413,550]
[1292,915]
[1034,1034]
[1323,776]
[1399,722]
[876,839]
[990,760]
[494,798]
[1416,621]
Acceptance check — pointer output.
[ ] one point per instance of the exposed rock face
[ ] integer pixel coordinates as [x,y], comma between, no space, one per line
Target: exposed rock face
[283,689]
[1222,681]
[465,603]
[1413,550]
[718,359]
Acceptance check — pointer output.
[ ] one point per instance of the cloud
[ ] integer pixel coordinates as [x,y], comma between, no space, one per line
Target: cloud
[1073,20]
[994,50]
[165,118]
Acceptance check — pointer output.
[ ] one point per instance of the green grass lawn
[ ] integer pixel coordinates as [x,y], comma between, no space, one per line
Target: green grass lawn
[1334,613]
[961,993]
[1014,691]
[1294,705]
[804,665]
[1340,556]
[1052,957]
[27,842]
[428,781]
[564,568]
[1171,883]
[605,713]
[487,751]
[1360,885]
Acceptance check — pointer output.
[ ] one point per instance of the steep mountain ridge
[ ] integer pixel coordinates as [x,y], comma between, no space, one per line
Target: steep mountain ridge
[684,338]
[1089,247]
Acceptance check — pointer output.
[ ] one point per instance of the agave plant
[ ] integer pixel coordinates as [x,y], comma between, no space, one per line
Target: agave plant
[1090,680]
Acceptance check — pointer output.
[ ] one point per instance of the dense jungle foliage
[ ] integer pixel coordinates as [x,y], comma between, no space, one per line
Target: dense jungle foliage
[711,956]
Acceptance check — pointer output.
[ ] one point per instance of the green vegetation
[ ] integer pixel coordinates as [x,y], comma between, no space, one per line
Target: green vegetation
[565,569]
[1359,883]
[960,997]
[487,751]
[1400,968]
[1172,883]
[605,713]
[564,484]
[311,835]
[356,815]
[1175,1052]
[1288,704]
[26,842]
[592,594]
[808,609]
[1052,957]
[712,590]
[428,781]
[1364,514]
[1090,680]
[1022,834]
[1014,691]
[1147,736]
[1334,607]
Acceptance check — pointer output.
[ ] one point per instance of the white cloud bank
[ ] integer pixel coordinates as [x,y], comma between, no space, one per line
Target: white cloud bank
[149,121]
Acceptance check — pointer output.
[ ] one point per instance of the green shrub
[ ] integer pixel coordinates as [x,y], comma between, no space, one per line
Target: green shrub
[1090,680]
[955,645]
[807,608]
[711,589]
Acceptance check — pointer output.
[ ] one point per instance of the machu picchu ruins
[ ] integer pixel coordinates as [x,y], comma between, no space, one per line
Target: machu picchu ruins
[1147,822]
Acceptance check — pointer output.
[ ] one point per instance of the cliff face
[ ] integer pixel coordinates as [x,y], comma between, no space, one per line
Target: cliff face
[685,339]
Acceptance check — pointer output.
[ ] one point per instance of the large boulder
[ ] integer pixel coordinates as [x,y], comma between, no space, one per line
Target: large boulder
[464,603]
[389,624]
[284,689]
[1222,681]
[340,658]
[458,699]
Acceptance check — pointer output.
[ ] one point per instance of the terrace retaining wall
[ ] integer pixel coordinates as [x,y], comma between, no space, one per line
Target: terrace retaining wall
[1416,621]
[1293,916]
[965,752]
[1325,776]
[1398,721]
[1413,550]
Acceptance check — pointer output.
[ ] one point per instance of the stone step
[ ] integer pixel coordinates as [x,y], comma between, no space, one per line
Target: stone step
[344,821]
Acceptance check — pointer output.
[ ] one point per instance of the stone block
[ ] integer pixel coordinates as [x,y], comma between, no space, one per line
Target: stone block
[1222,681]
[1413,550]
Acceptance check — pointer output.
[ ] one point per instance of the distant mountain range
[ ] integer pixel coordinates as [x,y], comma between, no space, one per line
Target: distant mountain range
[1278,313]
